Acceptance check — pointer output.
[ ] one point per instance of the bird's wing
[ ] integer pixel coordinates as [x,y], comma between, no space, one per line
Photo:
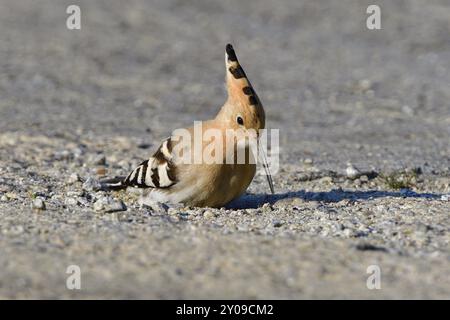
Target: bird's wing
[157,172]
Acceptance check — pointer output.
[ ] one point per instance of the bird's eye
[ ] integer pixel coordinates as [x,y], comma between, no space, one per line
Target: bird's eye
[239,120]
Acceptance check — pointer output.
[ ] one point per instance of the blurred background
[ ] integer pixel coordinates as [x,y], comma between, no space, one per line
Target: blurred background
[337,90]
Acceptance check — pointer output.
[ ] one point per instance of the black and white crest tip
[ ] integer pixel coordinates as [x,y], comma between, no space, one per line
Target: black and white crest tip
[156,172]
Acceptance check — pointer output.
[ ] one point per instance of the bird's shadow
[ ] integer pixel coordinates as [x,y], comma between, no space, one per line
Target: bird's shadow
[253,201]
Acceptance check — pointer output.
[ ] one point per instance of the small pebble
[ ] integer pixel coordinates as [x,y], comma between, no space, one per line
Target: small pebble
[326,180]
[16,230]
[172,211]
[71,202]
[267,207]
[347,232]
[11,195]
[291,201]
[99,159]
[364,84]
[109,204]
[38,204]
[91,184]
[277,223]
[208,214]
[73,178]
[352,172]
[364,178]
[73,193]
[243,228]
[100,171]
[155,206]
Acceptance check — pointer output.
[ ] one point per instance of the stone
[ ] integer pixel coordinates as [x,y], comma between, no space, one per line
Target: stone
[71,202]
[155,206]
[290,201]
[73,178]
[208,214]
[352,172]
[109,204]
[91,184]
[38,204]
[98,159]
[172,211]
[277,223]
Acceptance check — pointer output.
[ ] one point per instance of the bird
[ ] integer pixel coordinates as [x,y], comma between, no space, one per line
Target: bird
[168,178]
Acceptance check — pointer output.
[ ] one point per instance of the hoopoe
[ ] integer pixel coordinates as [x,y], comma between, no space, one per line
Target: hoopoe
[168,179]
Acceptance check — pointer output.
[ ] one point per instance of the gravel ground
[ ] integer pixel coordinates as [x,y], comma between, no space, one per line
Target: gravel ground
[81,105]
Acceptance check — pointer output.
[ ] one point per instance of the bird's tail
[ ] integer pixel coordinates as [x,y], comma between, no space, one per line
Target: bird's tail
[116,183]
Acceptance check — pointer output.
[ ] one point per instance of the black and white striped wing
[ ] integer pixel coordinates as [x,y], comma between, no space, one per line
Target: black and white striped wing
[156,172]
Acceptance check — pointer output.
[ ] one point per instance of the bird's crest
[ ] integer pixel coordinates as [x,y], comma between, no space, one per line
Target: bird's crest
[239,87]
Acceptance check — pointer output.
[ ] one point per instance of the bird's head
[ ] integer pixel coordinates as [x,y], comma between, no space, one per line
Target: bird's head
[243,109]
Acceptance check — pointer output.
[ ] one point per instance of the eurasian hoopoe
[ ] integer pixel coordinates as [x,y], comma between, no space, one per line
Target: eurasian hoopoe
[170,179]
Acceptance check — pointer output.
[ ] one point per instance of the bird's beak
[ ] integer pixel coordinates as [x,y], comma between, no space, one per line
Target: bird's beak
[263,159]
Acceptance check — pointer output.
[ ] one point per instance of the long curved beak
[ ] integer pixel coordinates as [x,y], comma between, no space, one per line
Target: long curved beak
[263,159]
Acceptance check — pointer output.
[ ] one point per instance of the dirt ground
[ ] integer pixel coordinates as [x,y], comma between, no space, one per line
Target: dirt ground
[78,105]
